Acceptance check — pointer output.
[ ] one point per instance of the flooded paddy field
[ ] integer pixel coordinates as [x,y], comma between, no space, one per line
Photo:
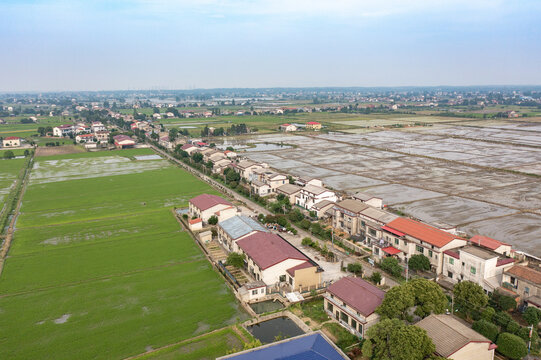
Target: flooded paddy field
[477,175]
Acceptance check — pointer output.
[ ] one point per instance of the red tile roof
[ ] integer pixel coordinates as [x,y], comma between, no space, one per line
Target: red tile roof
[452,253]
[391,250]
[194,221]
[12,138]
[187,146]
[357,293]
[268,249]
[285,125]
[392,231]
[422,231]
[313,123]
[501,262]
[526,273]
[487,242]
[206,201]
[122,138]
[304,265]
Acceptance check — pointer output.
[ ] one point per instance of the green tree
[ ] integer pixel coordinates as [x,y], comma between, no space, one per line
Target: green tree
[197,157]
[505,303]
[305,224]
[532,315]
[487,329]
[419,262]
[429,297]
[488,313]
[376,277]
[511,346]
[8,154]
[512,327]
[295,215]
[213,220]
[469,296]
[392,339]
[355,268]
[173,134]
[396,303]
[236,259]
[390,264]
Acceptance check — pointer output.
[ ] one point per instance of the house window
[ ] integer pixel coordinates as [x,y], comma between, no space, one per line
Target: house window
[376,251]
[449,274]
[372,232]
[254,292]
[282,278]
[419,248]
[344,317]
[430,253]
[526,290]
[396,241]
[361,329]
[513,280]
[330,307]
[290,280]
[473,270]
[451,261]
[354,324]
[363,223]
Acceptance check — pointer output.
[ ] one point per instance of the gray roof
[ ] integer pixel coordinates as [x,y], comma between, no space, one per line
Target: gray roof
[316,190]
[240,225]
[448,334]
[378,215]
[289,189]
[355,206]
[322,204]
[479,252]
[364,196]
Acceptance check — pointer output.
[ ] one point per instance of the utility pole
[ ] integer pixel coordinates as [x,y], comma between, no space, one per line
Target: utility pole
[530,338]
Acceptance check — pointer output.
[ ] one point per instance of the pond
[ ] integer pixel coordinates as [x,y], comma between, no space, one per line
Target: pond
[266,306]
[274,329]
[268,147]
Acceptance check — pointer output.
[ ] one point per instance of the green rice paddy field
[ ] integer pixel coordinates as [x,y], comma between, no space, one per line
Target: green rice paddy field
[99,268]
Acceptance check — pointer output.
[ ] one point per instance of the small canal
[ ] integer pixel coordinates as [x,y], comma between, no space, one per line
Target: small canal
[275,329]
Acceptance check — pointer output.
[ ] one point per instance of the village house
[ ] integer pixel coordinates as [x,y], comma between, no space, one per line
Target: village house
[123,142]
[352,302]
[189,148]
[245,168]
[369,200]
[85,138]
[63,130]
[456,341]
[206,152]
[403,238]
[266,181]
[288,127]
[82,129]
[371,222]
[236,228]
[311,194]
[346,216]
[252,291]
[260,188]
[492,244]
[11,142]
[524,281]
[323,209]
[313,125]
[475,264]
[97,126]
[217,156]
[219,166]
[230,154]
[303,181]
[102,136]
[206,205]
[195,224]
[290,191]
[273,260]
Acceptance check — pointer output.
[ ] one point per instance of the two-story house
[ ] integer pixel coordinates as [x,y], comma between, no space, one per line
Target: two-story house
[236,228]
[406,237]
[352,301]
[346,216]
[475,264]
[525,281]
[245,168]
[311,194]
[205,206]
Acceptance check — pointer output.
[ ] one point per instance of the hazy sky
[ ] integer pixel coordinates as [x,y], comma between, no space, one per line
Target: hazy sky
[168,44]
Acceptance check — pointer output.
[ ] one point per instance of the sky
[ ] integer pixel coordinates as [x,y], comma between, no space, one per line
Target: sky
[61,45]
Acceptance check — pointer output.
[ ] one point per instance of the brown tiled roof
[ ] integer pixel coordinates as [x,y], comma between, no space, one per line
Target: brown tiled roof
[206,201]
[358,293]
[422,231]
[526,273]
[355,206]
[268,249]
[288,189]
[449,335]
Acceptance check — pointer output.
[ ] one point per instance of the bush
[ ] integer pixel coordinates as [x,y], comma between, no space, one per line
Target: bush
[390,264]
[376,277]
[488,314]
[185,216]
[307,241]
[213,220]
[506,303]
[532,315]
[305,224]
[419,262]
[236,259]
[512,327]
[511,346]
[502,318]
[355,268]
[487,329]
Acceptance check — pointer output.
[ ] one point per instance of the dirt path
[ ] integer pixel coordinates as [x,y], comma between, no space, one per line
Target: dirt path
[11,229]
